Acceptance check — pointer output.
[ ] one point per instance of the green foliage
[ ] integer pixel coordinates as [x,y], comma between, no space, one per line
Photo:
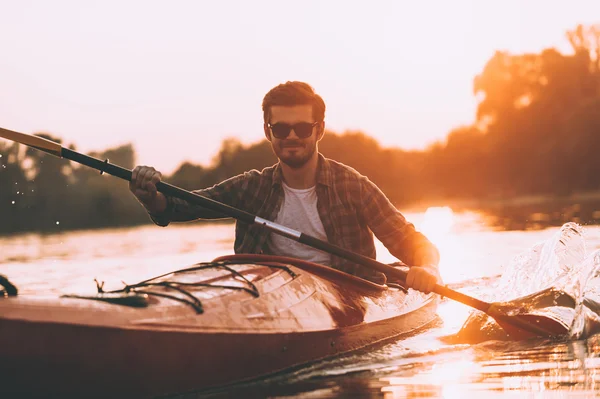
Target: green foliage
[535,133]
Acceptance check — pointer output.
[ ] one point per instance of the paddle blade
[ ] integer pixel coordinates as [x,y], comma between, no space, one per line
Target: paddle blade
[36,142]
[534,315]
[546,313]
[525,326]
[480,327]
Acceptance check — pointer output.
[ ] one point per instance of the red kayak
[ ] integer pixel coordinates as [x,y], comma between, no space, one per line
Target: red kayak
[234,319]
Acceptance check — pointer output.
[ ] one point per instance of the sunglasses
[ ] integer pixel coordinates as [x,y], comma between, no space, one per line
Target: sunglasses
[302,129]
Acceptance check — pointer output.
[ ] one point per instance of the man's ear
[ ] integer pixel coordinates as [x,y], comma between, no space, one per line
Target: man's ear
[267,131]
[320,130]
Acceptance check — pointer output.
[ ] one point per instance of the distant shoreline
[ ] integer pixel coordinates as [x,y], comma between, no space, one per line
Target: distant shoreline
[461,204]
[516,213]
[528,211]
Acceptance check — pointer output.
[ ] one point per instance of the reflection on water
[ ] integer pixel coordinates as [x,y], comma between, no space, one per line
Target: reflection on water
[534,366]
[474,257]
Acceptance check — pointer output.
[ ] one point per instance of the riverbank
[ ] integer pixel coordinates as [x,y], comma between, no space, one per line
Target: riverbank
[526,212]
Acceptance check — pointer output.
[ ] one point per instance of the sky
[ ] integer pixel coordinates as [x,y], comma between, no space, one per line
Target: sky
[176,78]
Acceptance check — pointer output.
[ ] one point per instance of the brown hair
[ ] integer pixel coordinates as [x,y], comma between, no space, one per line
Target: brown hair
[293,93]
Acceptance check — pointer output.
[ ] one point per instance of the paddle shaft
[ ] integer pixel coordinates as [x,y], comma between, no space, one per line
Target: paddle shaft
[168,189]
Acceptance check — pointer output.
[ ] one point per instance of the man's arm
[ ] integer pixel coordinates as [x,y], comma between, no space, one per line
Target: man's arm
[165,209]
[419,253]
[401,238]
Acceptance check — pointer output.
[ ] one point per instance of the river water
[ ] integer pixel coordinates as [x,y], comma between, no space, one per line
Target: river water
[475,256]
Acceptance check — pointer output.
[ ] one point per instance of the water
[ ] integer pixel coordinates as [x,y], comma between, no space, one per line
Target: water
[476,259]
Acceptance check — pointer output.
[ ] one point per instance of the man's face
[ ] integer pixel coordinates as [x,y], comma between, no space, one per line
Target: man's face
[293,150]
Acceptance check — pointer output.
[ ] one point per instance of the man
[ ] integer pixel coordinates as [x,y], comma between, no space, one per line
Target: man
[306,192]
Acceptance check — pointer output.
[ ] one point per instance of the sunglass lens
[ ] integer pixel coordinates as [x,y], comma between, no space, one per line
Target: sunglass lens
[281,130]
[303,130]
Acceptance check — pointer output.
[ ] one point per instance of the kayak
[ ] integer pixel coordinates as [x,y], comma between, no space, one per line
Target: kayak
[233,319]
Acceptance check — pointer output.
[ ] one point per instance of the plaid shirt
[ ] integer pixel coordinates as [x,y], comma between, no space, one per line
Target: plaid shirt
[350,206]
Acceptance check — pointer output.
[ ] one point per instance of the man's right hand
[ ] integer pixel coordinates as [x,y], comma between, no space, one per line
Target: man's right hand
[143,186]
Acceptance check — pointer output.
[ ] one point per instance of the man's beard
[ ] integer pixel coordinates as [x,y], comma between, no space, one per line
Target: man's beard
[295,162]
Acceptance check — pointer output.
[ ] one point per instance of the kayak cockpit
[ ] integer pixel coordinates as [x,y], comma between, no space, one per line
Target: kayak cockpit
[190,285]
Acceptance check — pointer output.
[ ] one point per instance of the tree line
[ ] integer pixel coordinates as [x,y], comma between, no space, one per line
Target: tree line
[535,132]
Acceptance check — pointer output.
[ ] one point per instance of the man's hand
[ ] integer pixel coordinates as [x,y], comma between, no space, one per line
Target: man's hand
[143,185]
[423,278]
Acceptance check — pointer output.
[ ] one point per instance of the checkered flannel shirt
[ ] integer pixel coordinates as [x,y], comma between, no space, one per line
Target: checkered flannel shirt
[350,206]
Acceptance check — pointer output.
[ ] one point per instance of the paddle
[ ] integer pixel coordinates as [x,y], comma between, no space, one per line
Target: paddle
[519,325]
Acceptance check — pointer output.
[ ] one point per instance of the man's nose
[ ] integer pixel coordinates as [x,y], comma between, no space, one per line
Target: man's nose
[293,135]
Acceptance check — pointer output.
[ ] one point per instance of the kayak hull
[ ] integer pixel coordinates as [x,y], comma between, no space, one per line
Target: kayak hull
[130,363]
[59,351]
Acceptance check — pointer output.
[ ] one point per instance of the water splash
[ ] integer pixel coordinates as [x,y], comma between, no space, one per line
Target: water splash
[552,263]
[555,279]
[587,318]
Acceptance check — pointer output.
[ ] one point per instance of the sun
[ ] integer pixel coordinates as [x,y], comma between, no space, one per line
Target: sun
[437,222]
[438,225]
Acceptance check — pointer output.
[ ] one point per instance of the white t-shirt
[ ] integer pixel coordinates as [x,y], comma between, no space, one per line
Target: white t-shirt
[299,212]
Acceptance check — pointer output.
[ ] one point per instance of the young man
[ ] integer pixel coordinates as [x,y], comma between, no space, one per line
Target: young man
[306,192]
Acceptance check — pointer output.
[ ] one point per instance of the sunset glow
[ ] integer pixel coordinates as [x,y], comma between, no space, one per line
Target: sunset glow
[437,222]
[175,80]
[250,197]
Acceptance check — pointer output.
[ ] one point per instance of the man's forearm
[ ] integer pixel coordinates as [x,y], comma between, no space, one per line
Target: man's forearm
[179,210]
[426,255]
[158,206]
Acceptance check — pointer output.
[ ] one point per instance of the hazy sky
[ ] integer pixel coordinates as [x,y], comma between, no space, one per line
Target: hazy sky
[175,78]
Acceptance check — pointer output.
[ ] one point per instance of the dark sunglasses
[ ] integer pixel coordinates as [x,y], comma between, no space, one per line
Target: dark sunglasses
[302,129]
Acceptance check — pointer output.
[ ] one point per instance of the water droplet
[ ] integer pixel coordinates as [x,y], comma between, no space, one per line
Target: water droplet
[17,192]
[13,202]
[57,222]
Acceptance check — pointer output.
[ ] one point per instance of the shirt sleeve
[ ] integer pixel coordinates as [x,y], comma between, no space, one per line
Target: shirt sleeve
[178,210]
[391,227]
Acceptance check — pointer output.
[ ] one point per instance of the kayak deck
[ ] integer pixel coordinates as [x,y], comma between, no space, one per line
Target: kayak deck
[213,324]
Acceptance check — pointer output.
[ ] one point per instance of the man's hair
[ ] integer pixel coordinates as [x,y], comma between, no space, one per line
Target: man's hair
[293,93]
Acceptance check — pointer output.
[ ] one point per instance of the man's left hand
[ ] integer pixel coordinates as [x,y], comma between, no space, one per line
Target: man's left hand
[423,278]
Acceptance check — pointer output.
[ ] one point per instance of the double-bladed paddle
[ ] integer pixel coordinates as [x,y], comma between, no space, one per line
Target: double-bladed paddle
[516,323]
